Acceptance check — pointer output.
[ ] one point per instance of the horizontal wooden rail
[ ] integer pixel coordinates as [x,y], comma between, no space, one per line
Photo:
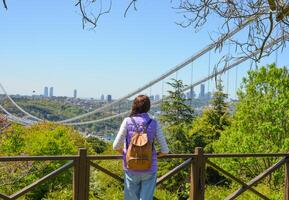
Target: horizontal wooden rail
[35,158]
[243,155]
[5,197]
[118,157]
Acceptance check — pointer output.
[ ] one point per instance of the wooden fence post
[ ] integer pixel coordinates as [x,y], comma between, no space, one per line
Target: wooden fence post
[197,188]
[81,176]
[286,195]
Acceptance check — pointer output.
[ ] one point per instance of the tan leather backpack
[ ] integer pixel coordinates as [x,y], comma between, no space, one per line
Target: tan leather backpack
[139,152]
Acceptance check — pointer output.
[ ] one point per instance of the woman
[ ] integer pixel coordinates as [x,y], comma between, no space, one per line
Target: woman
[140,184]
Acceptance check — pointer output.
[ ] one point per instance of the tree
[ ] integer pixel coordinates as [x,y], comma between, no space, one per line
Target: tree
[175,110]
[209,125]
[213,120]
[176,117]
[260,123]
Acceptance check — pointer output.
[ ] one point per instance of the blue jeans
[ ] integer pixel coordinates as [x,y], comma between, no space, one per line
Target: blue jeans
[139,186]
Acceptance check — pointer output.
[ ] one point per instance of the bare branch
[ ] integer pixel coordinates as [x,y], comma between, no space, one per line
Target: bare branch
[268,35]
[5,4]
[133,2]
[91,19]
[231,13]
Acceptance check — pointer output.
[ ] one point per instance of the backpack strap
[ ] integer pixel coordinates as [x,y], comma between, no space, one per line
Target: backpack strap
[144,126]
[135,124]
[147,125]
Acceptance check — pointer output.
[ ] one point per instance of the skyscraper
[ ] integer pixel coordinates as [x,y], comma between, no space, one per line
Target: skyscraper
[157,97]
[51,92]
[102,97]
[191,94]
[75,93]
[109,98]
[202,91]
[45,91]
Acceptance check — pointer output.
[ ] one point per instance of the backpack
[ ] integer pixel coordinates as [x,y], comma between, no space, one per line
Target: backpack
[139,152]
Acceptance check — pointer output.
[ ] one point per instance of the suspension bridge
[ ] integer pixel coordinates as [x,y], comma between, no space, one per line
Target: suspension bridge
[213,72]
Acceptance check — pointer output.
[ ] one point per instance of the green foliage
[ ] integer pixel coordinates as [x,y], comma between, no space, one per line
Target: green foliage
[61,194]
[213,120]
[39,139]
[103,186]
[12,140]
[45,108]
[218,193]
[260,123]
[174,109]
[98,145]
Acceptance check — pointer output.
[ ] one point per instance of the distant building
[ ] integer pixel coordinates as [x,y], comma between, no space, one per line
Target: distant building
[75,93]
[202,91]
[152,98]
[157,97]
[191,94]
[208,95]
[109,98]
[102,97]
[51,92]
[45,91]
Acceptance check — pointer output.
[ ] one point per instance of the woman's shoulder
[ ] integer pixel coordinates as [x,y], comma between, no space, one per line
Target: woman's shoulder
[126,119]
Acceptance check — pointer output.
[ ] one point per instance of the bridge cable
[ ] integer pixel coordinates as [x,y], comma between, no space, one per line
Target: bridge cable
[173,70]
[213,75]
[17,106]
[163,76]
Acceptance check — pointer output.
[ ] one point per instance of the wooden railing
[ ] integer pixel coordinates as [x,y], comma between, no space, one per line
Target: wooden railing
[197,162]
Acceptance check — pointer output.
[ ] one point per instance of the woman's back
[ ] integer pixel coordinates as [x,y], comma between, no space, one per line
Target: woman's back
[140,184]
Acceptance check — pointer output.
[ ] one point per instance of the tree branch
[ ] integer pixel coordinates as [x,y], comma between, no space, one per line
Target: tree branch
[133,2]
[267,37]
[5,5]
[92,19]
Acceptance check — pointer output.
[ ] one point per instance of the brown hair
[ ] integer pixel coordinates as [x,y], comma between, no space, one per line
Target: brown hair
[141,104]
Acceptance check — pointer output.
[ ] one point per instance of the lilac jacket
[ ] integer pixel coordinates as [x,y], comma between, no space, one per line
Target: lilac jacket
[154,134]
[151,132]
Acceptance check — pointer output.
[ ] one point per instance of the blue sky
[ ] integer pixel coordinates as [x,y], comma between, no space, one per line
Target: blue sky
[43,44]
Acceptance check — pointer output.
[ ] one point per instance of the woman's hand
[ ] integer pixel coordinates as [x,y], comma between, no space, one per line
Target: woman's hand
[160,154]
[120,151]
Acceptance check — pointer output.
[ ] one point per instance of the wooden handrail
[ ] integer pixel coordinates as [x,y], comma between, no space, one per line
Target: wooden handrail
[82,163]
[117,157]
[247,155]
[5,197]
[35,158]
